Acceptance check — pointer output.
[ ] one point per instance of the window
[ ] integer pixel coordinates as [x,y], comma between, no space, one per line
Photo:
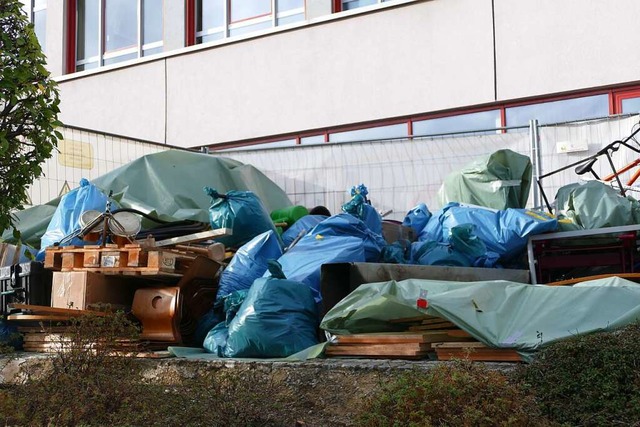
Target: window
[627,102]
[587,107]
[373,133]
[483,120]
[354,4]
[218,19]
[38,17]
[111,31]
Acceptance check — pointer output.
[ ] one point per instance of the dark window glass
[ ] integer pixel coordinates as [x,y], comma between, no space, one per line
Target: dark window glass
[87,29]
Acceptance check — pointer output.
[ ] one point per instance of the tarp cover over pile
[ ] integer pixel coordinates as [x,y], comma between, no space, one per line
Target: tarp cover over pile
[500,314]
[166,184]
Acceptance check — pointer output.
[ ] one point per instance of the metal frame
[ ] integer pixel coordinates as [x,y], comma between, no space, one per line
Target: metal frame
[567,235]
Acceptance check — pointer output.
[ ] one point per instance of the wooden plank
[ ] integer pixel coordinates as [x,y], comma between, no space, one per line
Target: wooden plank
[37,318]
[40,309]
[458,344]
[459,333]
[395,338]
[196,237]
[634,277]
[379,349]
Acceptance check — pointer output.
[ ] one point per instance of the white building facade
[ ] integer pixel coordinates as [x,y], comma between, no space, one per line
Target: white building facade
[220,73]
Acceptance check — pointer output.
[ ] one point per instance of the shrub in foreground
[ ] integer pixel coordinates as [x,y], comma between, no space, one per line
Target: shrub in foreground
[590,380]
[462,393]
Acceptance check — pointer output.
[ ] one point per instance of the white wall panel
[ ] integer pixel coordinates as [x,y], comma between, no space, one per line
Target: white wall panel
[126,101]
[549,46]
[393,62]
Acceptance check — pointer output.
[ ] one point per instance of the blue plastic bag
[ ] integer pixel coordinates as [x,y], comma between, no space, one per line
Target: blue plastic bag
[303,262]
[240,211]
[360,207]
[216,340]
[417,218]
[462,249]
[503,232]
[249,263]
[66,218]
[305,224]
[278,318]
[347,225]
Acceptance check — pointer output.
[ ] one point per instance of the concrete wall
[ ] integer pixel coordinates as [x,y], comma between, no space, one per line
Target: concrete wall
[548,46]
[415,58]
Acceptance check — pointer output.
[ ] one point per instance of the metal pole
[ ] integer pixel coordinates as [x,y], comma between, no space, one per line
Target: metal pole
[535,159]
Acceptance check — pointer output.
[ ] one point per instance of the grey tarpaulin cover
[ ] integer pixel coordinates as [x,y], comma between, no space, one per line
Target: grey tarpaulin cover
[593,205]
[500,180]
[500,314]
[167,184]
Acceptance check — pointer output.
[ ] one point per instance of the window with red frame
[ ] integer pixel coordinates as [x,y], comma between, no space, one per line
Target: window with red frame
[110,31]
[218,19]
[626,102]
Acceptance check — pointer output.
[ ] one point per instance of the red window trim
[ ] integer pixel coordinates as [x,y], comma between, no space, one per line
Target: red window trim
[619,96]
[71,37]
[190,23]
[337,6]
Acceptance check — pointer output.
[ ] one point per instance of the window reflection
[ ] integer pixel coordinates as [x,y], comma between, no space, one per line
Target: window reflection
[565,110]
[630,105]
[369,134]
[246,9]
[483,120]
[87,45]
[121,26]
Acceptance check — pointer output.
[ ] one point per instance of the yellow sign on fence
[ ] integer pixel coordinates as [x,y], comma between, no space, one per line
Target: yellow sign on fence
[75,154]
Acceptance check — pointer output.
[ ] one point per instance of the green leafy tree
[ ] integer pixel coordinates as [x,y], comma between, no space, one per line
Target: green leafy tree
[28,110]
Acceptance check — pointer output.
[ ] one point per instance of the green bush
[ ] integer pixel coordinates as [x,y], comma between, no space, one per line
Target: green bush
[85,383]
[453,394]
[590,380]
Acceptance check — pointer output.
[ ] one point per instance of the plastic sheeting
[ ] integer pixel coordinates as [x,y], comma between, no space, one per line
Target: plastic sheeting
[240,211]
[167,184]
[503,232]
[305,224]
[277,319]
[348,225]
[66,218]
[500,180]
[417,218]
[303,262]
[500,314]
[249,263]
[596,205]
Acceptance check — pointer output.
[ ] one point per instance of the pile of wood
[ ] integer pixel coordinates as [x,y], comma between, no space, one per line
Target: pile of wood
[421,337]
[170,257]
[47,330]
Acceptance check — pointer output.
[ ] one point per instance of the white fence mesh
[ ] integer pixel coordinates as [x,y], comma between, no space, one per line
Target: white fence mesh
[398,173]
[84,154]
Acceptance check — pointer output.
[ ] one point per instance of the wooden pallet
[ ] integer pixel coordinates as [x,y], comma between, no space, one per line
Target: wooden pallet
[400,345]
[130,259]
[475,351]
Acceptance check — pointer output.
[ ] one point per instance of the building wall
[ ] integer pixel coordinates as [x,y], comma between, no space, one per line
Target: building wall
[359,66]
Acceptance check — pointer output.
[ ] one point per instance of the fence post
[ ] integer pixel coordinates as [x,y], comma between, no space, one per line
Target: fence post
[534,150]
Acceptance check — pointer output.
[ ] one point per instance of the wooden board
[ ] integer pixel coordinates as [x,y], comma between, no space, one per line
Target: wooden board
[196,237]
[40,309]
[634,277]
[37,318]
[396,338]
[466,344]
[395,350]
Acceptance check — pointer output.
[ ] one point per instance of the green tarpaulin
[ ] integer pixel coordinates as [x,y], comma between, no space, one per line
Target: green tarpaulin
[167,184]
[500,180]
[500,314]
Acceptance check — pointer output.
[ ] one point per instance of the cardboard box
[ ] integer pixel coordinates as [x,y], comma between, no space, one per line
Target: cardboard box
[79,289]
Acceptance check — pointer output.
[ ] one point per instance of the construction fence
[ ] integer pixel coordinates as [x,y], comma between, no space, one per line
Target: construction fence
[399,173]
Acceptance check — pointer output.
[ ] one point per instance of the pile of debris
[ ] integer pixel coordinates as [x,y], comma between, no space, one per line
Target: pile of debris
[253,281]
